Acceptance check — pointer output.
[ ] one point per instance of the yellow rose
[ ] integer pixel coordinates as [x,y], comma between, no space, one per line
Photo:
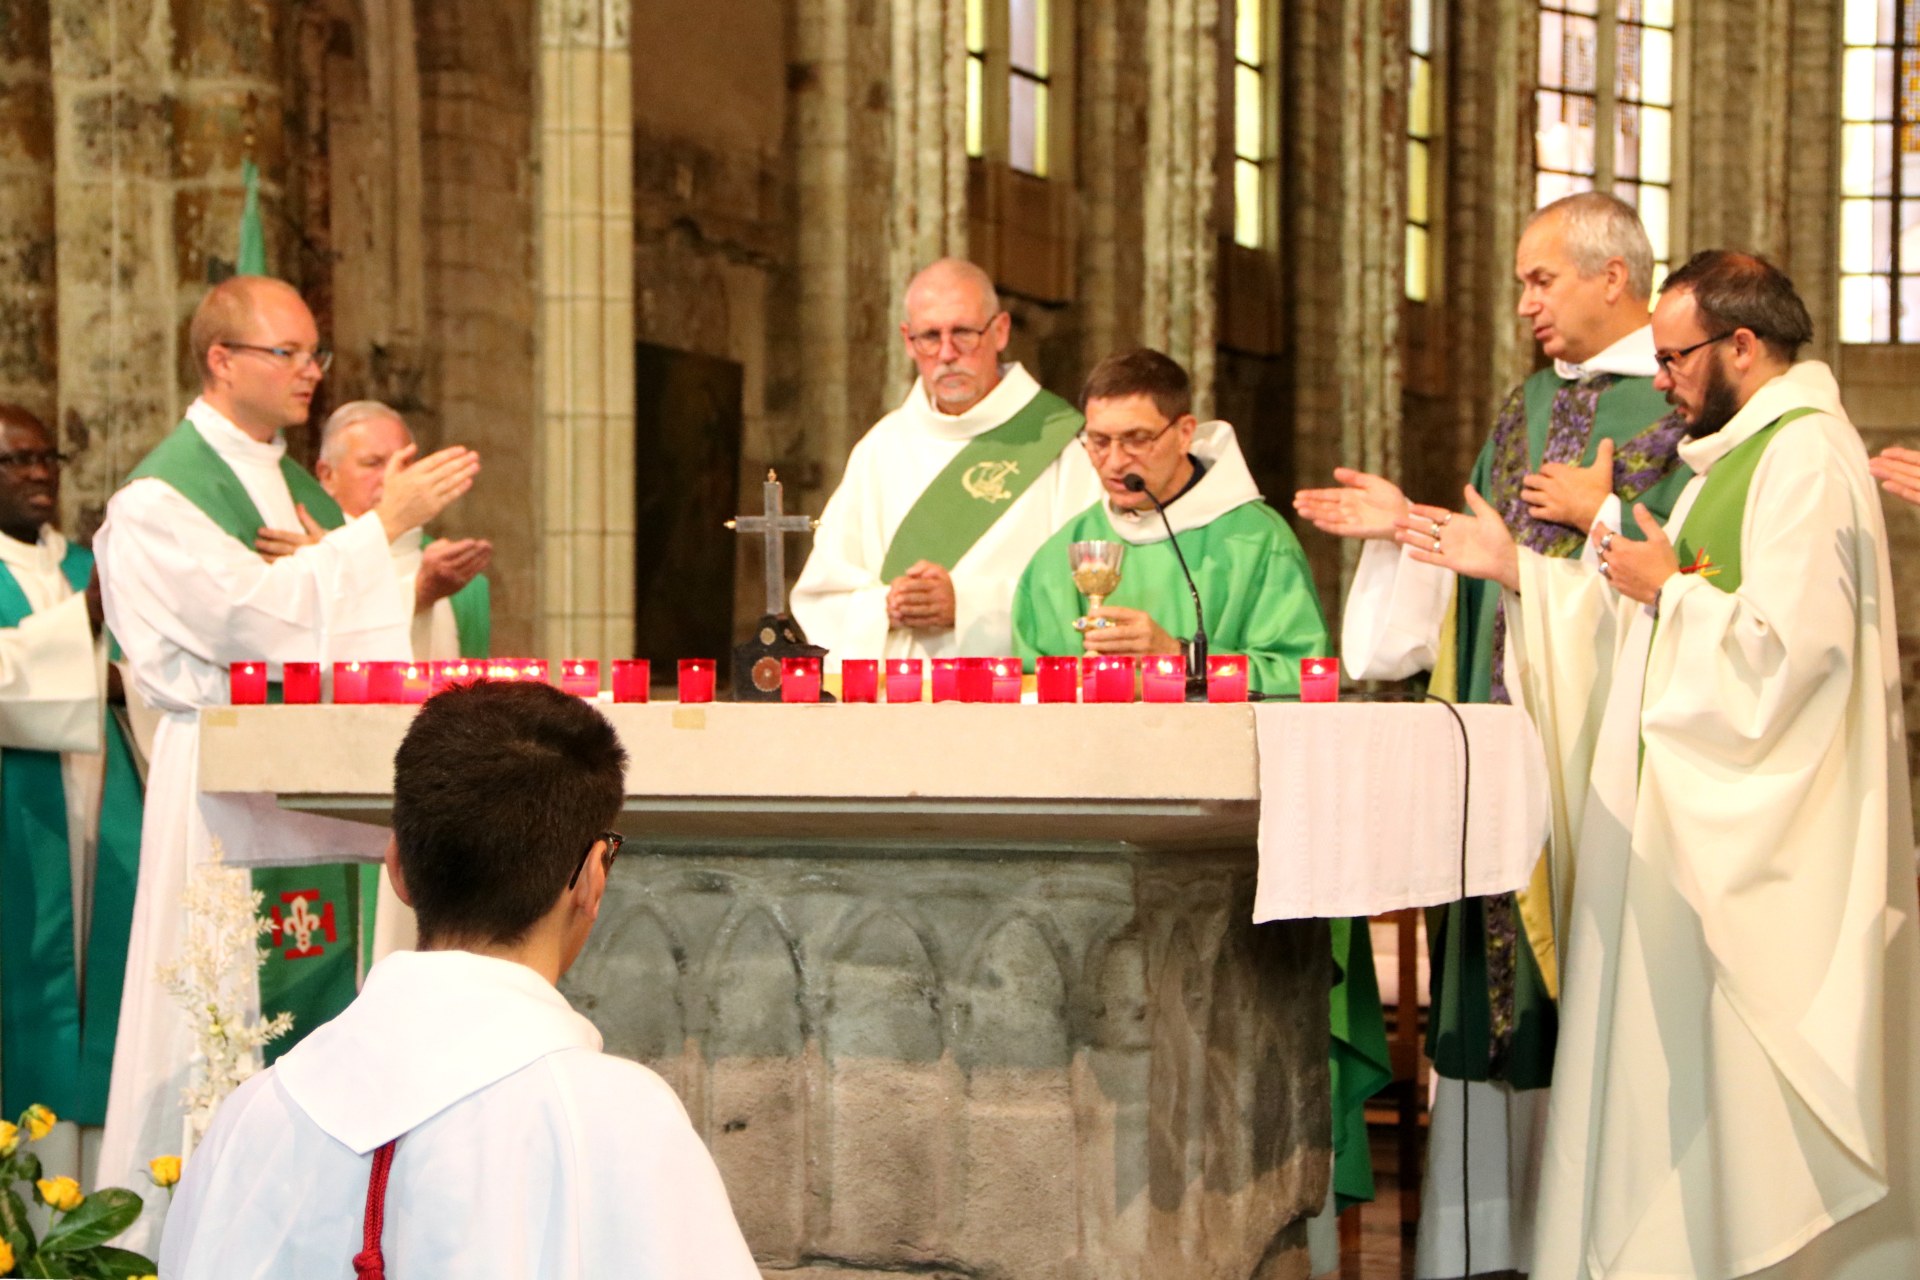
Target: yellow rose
[9,1142]
[60,1193]
[40,1121]
[6,1256]
[164,1170]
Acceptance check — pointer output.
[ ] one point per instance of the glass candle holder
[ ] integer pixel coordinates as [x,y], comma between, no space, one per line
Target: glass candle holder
[1163,678]
[696,679]
[1319,679]
[1226,678]
[580,677]
[799,679]
[973,682]
[906,679]
[1113,678]
[300,682]
[1087,662]
[1006,678]
[383,681]
[536,669]
[247,684]
[631,679]
[1057,679]
[946,678]
[860,680]
[416,681]
[350,682]
[456,671]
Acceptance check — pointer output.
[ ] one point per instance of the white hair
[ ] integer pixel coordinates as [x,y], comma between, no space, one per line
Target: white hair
[1596,228]
[348,416]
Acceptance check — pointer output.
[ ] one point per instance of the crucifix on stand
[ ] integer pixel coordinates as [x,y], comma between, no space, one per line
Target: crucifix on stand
[756,663]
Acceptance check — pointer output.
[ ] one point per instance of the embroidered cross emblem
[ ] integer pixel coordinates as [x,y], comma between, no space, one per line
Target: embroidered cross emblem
[303,924]
[987,481]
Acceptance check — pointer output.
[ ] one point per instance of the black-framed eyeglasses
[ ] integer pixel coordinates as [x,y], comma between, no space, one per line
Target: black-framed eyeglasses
[965,340]
[614,840]
[28,459]
[1667,359]
[1133,444]
[320,358]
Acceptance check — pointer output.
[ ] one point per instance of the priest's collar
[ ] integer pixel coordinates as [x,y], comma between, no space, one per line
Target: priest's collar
[1806,384]
[1630,357]
[1140,513]
[1008,397]
[45,554]
[228,440]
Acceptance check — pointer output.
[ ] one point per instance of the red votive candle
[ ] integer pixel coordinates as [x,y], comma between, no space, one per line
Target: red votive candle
[1113,678]
[580,677]
[1226,678]
[383,681]
[1164,678]
[974,680]
[631,676]
[1087,664]
[416,681]
[503,669]
[349,682]
[1319,679]
[799,679]
[536,669]
[1006,679]
[860,680]
[455,671]
[1057,679]
[906,679]
[696,679]
[300,682]
[247,684]
[946,679]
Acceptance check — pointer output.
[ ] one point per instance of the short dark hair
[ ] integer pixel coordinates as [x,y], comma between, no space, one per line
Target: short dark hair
[1143,372]
[1735,290]
[497,789]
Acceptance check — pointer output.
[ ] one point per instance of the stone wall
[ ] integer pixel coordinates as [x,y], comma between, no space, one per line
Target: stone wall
[29,314]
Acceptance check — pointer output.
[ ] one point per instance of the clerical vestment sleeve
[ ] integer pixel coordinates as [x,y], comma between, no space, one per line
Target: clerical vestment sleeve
[50,686]
[1768,701]
[175,581]
[1394,613]
[1284,623]
[839,600]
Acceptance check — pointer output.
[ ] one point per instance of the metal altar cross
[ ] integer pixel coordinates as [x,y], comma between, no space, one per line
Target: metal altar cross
[773,524]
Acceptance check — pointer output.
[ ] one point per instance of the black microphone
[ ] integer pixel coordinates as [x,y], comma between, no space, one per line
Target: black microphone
[1197,658]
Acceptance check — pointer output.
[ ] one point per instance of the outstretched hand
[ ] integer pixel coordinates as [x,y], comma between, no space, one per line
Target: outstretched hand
[1364,506]
[1637,570]
[1476,544]
[1898,471]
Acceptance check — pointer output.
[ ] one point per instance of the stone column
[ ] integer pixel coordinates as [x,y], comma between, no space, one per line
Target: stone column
[28,312]
[585,232]
[929,100]
[1183,69]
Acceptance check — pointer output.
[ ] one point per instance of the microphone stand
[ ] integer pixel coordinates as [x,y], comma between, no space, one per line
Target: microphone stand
[1197,657]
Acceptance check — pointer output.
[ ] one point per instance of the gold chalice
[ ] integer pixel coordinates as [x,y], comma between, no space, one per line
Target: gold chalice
[1096,575]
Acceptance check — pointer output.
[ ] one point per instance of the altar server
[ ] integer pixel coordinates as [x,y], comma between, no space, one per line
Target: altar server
[943,502]
[186,594]
[1733,850]
[459,1118]
[69,812]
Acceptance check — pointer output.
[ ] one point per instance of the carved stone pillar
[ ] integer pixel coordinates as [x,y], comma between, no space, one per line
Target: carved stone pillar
[28,312]
[1178,312]
[929,198]
[585,233]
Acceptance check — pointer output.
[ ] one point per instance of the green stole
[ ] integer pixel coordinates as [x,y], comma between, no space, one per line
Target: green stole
[472,614]
[980,485]
[56,1042]
[1720,508]
[318,983]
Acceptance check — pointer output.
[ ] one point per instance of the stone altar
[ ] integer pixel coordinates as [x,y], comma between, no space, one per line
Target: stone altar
[949,990]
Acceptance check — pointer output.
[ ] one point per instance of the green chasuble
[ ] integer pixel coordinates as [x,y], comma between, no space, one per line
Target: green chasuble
[1260,602]
[1493,1009]
[317,981]
[56,1037]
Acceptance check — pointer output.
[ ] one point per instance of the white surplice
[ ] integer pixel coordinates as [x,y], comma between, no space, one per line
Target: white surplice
[185,599]
[840,600]
[1737,1061]
[524,1151]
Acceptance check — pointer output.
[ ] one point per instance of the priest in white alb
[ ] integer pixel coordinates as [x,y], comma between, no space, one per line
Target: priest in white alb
[186,594]
[1733,845]
[945,500]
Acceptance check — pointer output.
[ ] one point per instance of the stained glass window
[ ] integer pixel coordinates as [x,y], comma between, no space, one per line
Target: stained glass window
[976,77]
[1028,23]
[1249,123]
[1880,172]
[1419,148]
[1612,131]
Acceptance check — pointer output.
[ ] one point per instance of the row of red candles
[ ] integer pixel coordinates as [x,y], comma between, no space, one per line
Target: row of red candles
[1064,679]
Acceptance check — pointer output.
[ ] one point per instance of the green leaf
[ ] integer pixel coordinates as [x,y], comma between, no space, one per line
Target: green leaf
[37,1267]
[104,1262]
[100,1217]
[27,1167]
[14,1227]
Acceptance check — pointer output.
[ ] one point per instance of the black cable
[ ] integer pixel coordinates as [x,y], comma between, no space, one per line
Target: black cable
[1453,938]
